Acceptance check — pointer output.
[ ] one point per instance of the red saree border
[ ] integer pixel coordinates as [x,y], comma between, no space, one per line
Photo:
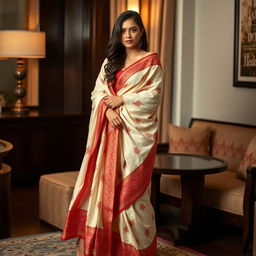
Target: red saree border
[92,157]
[148,55]
[129,190]
[75,224]
[145,62]
[119,248]
[109,186]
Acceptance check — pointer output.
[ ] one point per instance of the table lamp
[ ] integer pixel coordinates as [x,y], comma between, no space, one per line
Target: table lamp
[21,44]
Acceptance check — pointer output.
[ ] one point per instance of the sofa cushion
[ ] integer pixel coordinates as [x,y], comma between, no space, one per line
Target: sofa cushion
[63,179]
[188,140]
[228,142]
[249,159]
[222,190]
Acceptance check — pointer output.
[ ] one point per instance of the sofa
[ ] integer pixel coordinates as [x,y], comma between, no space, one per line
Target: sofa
[231,194]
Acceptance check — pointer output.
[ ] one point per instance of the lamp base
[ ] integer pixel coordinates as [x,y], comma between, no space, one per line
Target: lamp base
[20,110]
[19,91]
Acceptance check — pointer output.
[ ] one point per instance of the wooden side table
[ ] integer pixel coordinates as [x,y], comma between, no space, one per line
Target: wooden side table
[43,143]
[5,190]
[192,170]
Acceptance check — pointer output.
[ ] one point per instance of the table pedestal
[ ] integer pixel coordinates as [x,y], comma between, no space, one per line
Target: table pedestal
[155,196]
[5,196]
[191,199]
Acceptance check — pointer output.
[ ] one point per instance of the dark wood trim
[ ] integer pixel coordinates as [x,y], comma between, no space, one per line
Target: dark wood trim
[248,208]
[87,68]
[73,55]
[51,77]
[220,122]
[77,33]
[96,36]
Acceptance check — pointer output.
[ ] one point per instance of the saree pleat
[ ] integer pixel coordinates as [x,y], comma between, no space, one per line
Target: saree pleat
[110,208]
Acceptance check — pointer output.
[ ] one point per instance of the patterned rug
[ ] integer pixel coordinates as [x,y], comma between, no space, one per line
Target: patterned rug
[50,244]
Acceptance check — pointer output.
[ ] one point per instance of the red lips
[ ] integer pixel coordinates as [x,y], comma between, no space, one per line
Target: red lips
[128,41]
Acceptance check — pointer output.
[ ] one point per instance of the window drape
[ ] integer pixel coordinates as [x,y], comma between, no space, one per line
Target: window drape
[32,84]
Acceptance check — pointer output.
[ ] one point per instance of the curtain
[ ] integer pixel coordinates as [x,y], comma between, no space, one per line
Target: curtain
[158,17]
[32,84]
[116,7]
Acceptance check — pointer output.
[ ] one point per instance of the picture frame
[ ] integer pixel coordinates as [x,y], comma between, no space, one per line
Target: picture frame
[245,44]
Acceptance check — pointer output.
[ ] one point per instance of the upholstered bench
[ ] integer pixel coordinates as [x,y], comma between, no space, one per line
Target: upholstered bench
[55,192]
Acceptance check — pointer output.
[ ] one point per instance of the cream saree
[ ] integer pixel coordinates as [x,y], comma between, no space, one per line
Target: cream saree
[110,208]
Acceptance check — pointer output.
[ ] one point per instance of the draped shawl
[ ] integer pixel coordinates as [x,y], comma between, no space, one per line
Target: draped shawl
[110,207]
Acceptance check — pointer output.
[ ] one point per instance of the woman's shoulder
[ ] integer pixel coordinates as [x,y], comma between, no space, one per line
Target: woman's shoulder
[149,56]
[153,55]
[154,58]
[144,53]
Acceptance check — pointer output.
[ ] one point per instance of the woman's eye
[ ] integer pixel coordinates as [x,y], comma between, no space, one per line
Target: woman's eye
[134,30]
[123,31]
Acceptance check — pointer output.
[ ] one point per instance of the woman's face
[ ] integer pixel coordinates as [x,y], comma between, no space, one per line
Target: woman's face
[131,34]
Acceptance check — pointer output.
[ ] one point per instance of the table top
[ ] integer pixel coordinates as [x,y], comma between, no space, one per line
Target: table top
[5,146]
[184,164]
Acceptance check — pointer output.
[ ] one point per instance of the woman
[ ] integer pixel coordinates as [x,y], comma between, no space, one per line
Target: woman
[110,210]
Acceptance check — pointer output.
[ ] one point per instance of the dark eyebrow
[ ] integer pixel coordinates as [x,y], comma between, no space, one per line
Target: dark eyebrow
[129,28]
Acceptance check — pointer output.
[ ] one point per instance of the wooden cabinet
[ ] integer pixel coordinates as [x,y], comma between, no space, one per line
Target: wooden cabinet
[43,143]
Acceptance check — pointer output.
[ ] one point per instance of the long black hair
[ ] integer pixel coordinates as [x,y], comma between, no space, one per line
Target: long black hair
[115,50]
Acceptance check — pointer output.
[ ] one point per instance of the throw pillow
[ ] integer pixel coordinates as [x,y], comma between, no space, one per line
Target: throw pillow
[249,159]
[193,140]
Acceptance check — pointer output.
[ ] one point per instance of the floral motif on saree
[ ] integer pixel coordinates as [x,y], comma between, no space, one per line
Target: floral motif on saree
[110,208]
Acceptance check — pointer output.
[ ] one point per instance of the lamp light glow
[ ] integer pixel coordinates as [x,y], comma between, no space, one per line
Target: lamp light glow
[133,5]
[22,44]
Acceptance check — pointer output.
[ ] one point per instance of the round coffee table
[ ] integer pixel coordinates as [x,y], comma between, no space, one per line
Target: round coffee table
[192,169]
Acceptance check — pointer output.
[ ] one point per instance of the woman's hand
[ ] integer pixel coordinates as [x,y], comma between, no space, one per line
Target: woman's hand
[114,101]
[114,119]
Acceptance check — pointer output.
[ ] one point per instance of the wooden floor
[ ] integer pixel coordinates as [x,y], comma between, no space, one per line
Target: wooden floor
[24,221]
[220,240]
[24,212]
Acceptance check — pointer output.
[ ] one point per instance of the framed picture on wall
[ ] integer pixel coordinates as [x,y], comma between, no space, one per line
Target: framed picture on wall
[245,44]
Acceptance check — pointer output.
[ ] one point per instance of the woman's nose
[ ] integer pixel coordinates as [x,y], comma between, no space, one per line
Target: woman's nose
[128,34]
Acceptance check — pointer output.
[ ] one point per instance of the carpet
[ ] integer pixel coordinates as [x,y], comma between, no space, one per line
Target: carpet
[50,244]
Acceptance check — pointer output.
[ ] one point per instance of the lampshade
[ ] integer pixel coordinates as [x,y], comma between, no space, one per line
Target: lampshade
[133,5]
[22,44]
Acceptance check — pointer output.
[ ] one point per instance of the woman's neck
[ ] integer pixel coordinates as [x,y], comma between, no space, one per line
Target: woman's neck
[132,53]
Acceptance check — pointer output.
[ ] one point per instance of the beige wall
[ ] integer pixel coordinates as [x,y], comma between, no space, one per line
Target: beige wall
[206,58]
